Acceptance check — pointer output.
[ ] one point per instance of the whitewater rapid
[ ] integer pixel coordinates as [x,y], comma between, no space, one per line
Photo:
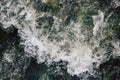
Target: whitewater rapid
[73,46]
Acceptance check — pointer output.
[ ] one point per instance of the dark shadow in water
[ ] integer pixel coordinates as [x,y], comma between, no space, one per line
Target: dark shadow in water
[111,69]
[34,70]
[8,38]
[37,71]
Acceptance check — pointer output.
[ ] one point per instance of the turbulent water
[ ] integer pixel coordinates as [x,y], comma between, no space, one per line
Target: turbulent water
[69,33]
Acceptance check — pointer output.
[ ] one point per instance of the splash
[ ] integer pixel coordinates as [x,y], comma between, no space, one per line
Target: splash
[60,42]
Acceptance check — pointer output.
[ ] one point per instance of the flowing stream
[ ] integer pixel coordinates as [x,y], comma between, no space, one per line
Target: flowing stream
[77,32]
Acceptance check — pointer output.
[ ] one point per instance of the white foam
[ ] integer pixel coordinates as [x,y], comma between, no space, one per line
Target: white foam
[117,3]
[78,58]
[116,50]
[44,1]
[8,57]
[71,48]
[75,51]
[98,21]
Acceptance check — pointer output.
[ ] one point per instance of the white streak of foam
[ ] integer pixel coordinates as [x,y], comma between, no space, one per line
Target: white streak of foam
[116,50]
[98,21]
[8,57]
[44,1]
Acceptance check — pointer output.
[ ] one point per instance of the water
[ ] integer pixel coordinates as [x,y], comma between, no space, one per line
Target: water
[53,33]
